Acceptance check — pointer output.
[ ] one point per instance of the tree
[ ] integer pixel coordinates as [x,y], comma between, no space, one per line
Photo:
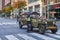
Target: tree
[15,5]
[21,4]
[7,9]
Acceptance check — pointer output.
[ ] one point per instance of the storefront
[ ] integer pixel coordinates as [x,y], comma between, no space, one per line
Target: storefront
[57,14]
[54,11]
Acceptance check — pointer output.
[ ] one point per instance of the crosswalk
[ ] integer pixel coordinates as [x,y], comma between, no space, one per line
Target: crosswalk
[57,36]
[8,23]
[30,36]
[26,37]
[0,38]
[11,37]
[43,36]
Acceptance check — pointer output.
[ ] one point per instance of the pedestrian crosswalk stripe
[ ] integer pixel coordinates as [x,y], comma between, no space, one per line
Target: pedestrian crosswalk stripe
[58,33]
[0,39]
[6,23]
[11,37]
[42,36]
[53,35]
[26,37]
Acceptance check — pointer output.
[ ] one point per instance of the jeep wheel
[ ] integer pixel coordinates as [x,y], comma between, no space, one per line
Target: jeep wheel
[42,29]
[54,30]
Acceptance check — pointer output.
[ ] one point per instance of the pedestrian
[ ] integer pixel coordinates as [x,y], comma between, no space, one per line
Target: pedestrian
[28,23]
[18,18]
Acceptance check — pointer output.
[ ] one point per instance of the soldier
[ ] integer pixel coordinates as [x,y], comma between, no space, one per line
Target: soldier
[18,16]
[28,23]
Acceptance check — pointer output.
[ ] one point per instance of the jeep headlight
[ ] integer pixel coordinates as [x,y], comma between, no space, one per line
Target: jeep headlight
[53,22]
[45,22]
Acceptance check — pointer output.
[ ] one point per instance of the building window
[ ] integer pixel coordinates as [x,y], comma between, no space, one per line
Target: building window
[37,8]
[25,8]
[58,0]
[45,1]
[29,1]
[30,9]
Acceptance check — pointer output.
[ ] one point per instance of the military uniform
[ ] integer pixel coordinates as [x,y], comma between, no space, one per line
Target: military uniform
[28,22]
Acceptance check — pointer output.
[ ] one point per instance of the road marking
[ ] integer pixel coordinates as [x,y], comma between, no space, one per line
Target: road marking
[26,37]
[7,23]
[11,37]
[58,33]
[53,35]
[0,39]
[42,36]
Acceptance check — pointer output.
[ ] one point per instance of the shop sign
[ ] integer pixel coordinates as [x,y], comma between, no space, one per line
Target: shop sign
[55,6]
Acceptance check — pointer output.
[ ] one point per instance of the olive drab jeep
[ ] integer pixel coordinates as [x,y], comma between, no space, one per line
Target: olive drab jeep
[34,21]
[47,25]
[42,24]
[22,20]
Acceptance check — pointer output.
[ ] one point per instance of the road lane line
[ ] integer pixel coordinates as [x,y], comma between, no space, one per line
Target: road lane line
[11,37]
[43,36]
[26,37]
[53,35]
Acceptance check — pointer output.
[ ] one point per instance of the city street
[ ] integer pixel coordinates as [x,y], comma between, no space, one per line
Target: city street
[9,30]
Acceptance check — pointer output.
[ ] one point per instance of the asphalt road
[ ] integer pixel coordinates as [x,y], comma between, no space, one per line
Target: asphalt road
[9,30]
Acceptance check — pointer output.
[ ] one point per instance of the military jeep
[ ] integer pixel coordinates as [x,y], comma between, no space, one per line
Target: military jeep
[42,24]
[47,25]
[34,21]
[22,20]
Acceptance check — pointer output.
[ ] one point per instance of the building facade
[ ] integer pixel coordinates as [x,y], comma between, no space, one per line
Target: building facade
[34,5]
[7,2]
[53,8]
[3,3]
[46,8]
[0,4]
